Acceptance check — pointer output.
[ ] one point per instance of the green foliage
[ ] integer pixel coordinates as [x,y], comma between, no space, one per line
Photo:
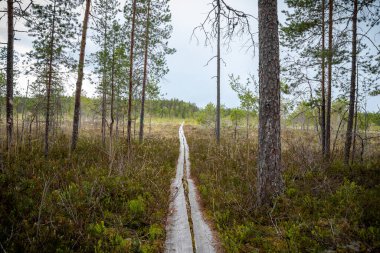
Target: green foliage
[136,207]
[322,208]
[77,204]
[236,115]
[207,115]
[246,95]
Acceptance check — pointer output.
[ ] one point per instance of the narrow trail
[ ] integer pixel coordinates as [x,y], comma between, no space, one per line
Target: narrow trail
[187,230]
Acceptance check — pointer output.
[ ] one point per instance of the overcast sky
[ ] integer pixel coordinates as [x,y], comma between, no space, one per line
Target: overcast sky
[189,79]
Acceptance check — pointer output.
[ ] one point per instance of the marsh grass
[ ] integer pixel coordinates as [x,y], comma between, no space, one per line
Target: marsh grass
[78,202]
[325,206]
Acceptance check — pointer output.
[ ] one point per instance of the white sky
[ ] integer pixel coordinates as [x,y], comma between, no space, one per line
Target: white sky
[188,79]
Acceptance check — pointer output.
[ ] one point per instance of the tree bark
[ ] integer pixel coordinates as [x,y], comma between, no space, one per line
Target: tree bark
[270,183]
[10,56]
[142,112]
[329,81]
[129,127]
[323,96]
[112,94]
[79,83]
[356,114]
[104,90]
[49,84]
[351,112]
[217,123]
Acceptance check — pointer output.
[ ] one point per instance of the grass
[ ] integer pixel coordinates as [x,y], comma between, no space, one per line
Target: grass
[97,200]
[323,208]
[80,203]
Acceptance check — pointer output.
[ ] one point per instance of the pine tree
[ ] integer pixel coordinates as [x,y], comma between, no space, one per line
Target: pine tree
[53,27]
[269,177]
[105,12]
[80,77]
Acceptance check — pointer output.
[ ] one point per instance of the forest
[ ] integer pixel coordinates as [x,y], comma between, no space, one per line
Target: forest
[99,154]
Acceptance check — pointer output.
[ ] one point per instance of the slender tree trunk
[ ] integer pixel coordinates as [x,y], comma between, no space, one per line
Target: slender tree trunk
[78,90]
[129,127]
[10,56]
[323,96]
[329,81]
[104,104]
[217,123]
[104,95]
[142,112]
[112,93]
[247,124]
[49,84]
[270,183]
[351,112]
[23,114]
[356,114]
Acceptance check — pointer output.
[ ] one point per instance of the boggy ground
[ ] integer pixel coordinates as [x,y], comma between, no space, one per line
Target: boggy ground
[91,201]
[324,207]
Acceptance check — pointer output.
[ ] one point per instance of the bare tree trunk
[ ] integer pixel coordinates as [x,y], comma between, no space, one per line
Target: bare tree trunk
[323,96]
[329,60]
[23,114]
[104,95]
[49,84]
[10,56]
[142,112]
[247,124]
[217,130]
[104,100]
[356,114]
[270,183]
[112,93]
[351,112]
[129,127]
[78,90]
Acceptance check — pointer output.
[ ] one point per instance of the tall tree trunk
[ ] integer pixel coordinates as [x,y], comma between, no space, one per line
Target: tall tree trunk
[78,90]
[323,96]
[10,55]
[329,81]
[112,93]
[247,124]
[104,90]
[23,114]
[356,114]
[217,124]
[129,127]
[142,112]
[270,182]
[351,112]
[49,84]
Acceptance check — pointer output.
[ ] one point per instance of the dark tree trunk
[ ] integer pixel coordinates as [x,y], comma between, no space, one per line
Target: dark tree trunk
[10,55]
[356,114]
[217,123]
[78,90]
[351,112]
[129,126]
[323,96]
[142,112]
[270,183]
[49,84]
[329,81]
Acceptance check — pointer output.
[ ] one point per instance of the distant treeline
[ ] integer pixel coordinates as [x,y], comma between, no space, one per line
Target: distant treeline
[163,108]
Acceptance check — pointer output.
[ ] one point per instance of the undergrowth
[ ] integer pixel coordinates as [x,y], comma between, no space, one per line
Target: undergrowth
[325,208]
[89,201]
